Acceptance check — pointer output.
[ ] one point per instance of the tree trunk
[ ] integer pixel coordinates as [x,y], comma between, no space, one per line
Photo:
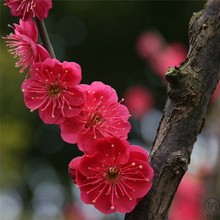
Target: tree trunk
[190,89]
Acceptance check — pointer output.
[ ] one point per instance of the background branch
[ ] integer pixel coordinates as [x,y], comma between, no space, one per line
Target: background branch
[189,91]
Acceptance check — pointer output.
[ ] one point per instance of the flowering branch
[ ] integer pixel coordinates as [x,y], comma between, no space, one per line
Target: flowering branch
[190,89]
[44,37]
[89,115]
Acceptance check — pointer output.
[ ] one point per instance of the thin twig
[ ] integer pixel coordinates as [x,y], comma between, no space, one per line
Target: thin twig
[44,37]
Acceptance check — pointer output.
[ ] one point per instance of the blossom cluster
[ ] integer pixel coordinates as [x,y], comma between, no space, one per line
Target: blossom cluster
[152,48]
[112,174]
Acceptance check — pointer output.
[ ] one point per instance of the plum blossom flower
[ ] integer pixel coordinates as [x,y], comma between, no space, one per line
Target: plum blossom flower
[102,116]
[114,177]
[27,9]
[170,56]
[52,88]
[188,201]
[153,48]
[149,44]
[23,44]
[139,100]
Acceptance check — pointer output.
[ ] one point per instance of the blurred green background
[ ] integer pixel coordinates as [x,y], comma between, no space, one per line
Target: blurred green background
[101,36]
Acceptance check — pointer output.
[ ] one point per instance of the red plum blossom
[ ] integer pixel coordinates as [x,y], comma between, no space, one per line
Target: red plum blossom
[23,44]
[101,116]
[52,88]
[153,48]
[27,9]
[139,100]
[188,202]
[149,44]
[114,177]
[170,56]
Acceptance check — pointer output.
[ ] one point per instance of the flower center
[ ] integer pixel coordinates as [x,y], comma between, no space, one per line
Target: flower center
[112,173]
[54,89]
[95,120]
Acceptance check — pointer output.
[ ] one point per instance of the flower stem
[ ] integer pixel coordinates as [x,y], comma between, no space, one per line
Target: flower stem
[44,37]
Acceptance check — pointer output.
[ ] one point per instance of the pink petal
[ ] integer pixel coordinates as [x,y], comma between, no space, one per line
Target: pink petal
[123,204]
[90,162]
[101,89]
[51,115]
[75,71]
[70,129]
[42,53]
[42,8]
[27,28]
[85,141]
[73,165]
[71,111]
[138,152]
[74,95]
[142,180]
[113,147]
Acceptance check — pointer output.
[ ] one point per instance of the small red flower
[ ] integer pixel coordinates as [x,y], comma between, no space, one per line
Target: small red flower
[102,116]
[188,202]
[27,9]
[149,44]
[52,88]
[170,56]
[23,44]
[139,100]
[114,177]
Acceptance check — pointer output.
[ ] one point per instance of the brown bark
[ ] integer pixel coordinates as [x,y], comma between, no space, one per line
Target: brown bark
[189,91]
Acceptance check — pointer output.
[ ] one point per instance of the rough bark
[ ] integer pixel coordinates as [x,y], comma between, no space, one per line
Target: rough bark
[189,91]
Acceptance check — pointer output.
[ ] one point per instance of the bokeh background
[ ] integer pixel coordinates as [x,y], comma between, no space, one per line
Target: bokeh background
[128,45]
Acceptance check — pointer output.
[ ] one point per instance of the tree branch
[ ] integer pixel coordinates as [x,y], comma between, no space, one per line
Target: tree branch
[189,92]
[44,37]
